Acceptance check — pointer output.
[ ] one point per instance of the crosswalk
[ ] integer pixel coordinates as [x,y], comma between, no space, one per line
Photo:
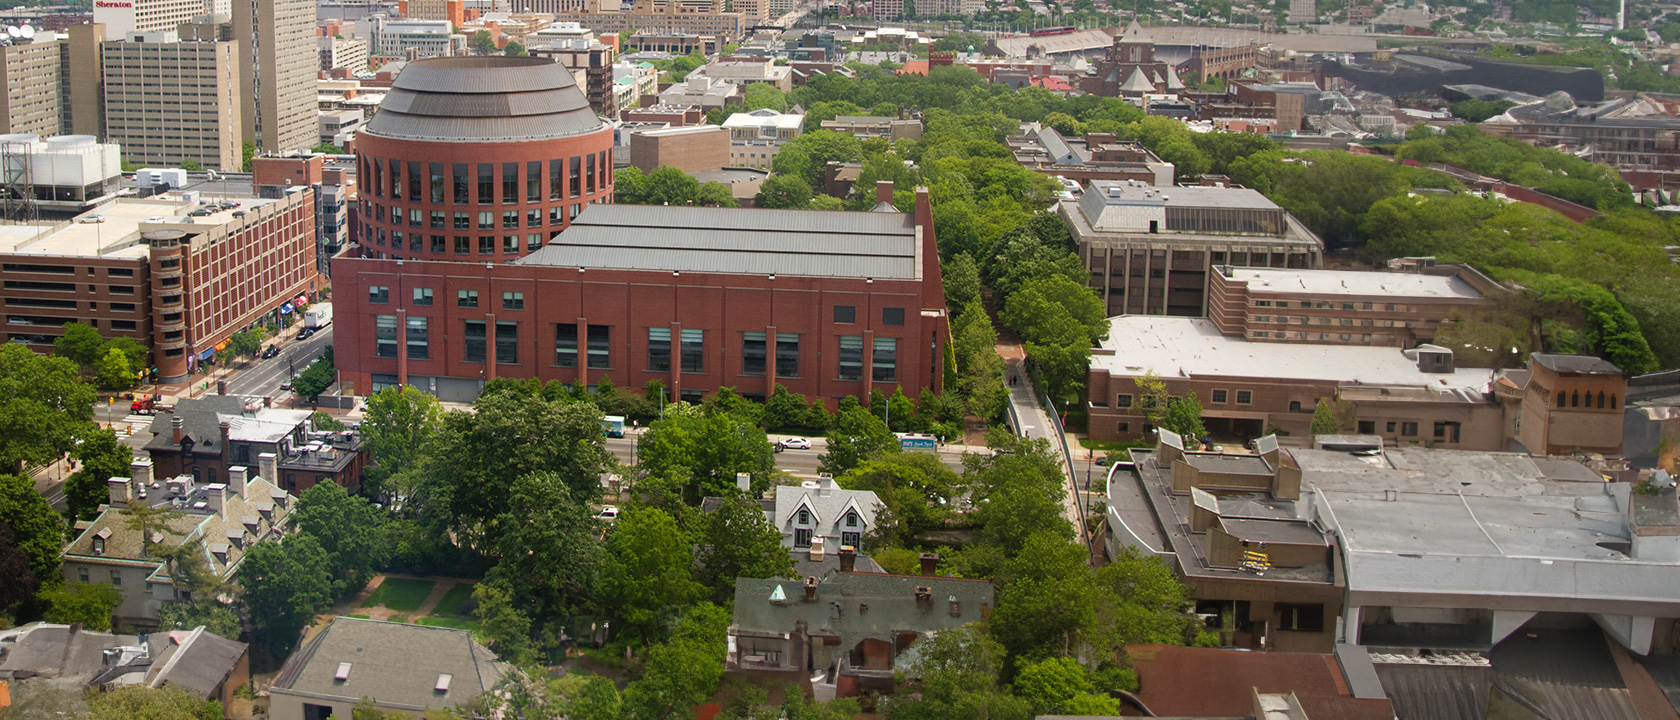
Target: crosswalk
[138,419]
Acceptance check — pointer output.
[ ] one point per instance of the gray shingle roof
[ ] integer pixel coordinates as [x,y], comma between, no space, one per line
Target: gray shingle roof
[396,664]
[827,505]
[1583,364]
[891,603]
[727,240]
[201,420]
[198,663]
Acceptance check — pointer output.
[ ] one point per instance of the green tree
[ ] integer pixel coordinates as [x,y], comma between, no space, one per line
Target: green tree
[35,530]
[213,616]
[961,277]
[684,671]
[397,426]
[1153,398]
[505,629]
[327,148]
[191,165]
[912,488]
[80,343]
[735,542]
[514,49]
[315,379]
[246,343]
[648,575]
[351,531]
[764,96]
[1053,685]
[811,153]
[1047,600]
[44,407]
[1184,416]
[140,702]
[18,582]
[1324,420]
[1144,603]
[784,192]
[482,43]
[587,697]
[959,670]
[283,587]
[325,422]
[711,447]
[114,372]
[546,553]
[858,436]
[87,604]
[139,358]
[827,202]
[102,456]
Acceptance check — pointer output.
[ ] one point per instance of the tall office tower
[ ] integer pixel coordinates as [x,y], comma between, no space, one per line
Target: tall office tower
[277,62]
[83,69]
[29,88]
[167,103]
[121,17]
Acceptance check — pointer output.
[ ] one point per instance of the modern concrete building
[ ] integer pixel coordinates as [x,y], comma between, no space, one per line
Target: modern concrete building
[179,284]
[414,39]
[870,126]
[82,98]
[1151,250]
[1098,156]
[340,52]
[755,137]
[30,97]
[168,103]
[701,92]
[277,61]
[591,64]
[1400,309]
[744,70]
[67,174]
[696,298]
[478,158]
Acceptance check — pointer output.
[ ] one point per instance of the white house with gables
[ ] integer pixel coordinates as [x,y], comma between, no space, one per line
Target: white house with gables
[822,509]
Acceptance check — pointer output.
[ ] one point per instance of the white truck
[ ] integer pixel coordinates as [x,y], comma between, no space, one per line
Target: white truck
[318,316]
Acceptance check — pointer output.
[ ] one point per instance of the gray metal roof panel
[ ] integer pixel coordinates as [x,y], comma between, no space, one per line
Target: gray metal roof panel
[483,75]
[481,129]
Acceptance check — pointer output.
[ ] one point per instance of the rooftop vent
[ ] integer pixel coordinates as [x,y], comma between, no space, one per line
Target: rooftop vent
[442,685]
[343,672]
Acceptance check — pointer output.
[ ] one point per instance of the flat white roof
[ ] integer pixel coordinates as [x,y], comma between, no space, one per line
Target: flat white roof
[764,118]
[1352,282]
[1186,347]
[118,236]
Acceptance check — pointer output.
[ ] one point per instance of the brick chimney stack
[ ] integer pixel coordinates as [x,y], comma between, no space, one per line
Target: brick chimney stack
[216,495]
[177,428]
[883,192]
[930,562]
[848,558]
[236,480]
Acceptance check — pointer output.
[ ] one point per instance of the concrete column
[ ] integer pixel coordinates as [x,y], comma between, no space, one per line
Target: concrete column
[769,361]
[868,365]
[402,347]
[489,346]
[583,351]
[676,361]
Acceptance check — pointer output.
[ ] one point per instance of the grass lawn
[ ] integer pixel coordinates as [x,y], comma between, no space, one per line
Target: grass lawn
[358,617]
[449,622]
[451,601]
[400,594]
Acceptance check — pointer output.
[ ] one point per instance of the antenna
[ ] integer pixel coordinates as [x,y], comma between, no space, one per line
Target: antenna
[14,31]
[28,31]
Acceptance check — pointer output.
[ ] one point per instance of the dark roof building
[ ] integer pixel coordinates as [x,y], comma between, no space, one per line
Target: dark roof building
[399,666]
[205,438]
[196,661]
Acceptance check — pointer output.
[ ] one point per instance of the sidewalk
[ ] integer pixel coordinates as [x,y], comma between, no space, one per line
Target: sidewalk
[1034,423]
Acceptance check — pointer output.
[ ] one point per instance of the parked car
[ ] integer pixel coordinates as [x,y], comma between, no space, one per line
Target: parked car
[796,443]
[94,219]
[270,351]
[305,333]
[608,513]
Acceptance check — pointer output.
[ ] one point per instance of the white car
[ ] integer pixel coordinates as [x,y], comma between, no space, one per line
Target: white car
[796,443]
[94,219]
[157,219]
[608,513]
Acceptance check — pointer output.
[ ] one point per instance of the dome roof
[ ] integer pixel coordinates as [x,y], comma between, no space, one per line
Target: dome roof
[483,99]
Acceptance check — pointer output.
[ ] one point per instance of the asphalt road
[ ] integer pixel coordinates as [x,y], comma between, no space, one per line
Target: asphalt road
[262,378]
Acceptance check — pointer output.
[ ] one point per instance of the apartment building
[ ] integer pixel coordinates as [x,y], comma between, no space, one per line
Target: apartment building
[277,58]
[591,64]
[169,103]
[1400,309]
[755,137]
[339,52]
[122,17]
[1151,250]
[30,98]
[743,71]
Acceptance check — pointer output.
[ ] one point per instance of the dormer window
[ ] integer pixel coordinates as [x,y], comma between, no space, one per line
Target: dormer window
[99,546]
[851,519]
[804,517]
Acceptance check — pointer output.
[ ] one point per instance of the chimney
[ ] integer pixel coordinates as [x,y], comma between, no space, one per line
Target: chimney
[119,489]
[236,480]
[216,495]
[883,192]
[177,427]
[818,547]
[848,558]
[930,562]
[810,588]
[268,468]
[224,447]
[743,482]
[141,471]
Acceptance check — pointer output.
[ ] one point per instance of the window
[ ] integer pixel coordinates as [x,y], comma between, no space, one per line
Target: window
[463,245]
[396,240]
[787,356]
[463,221]
[851,539]
[533,217]
[600,347]
[565,345]
[423,297]
[1367,427]
[1390,426]
[1301,618]
[116,577]
[474,349]
[379,294]
[385,336]
[416,217]
[1561,398]
[804,516]
[576,179]
[851,357]
[1294,406]
[754,353]
[693,350]
[486,220]
[1446,431]
[659,349]
[892,316]
[845,314]
[1575,399]
[507,343]
[513,301]
[439,219]
[510,244]
[436,184]
[466,298]
[510,220]
[1262,303]
[533,181]
[1601,399]
[419,347]
[1123,401]
[555,187]
[589,180]
[98,549]
[437,244]
[1408,429]
[1283,303]
[1245,397]
[1219,396]
[486,183]
[396,180]
[487,244]
[885,367]
[802,537]
[1125,427]
[534,241]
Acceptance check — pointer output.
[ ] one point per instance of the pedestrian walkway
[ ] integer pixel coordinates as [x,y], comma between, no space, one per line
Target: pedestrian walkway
[1033,423]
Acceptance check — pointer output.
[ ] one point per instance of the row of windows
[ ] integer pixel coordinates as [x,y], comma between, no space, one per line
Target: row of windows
[1218,397]
[1574,399]
[1346,322]
[1320,305]
[381,295]
[1445,431]
[487,183]
[688,346]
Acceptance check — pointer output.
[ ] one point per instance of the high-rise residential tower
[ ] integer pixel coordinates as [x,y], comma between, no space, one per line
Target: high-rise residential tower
[277,58]
[122,17]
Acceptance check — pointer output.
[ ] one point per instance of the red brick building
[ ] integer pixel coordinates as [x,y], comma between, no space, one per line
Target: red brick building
[828,304]
[478,158]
